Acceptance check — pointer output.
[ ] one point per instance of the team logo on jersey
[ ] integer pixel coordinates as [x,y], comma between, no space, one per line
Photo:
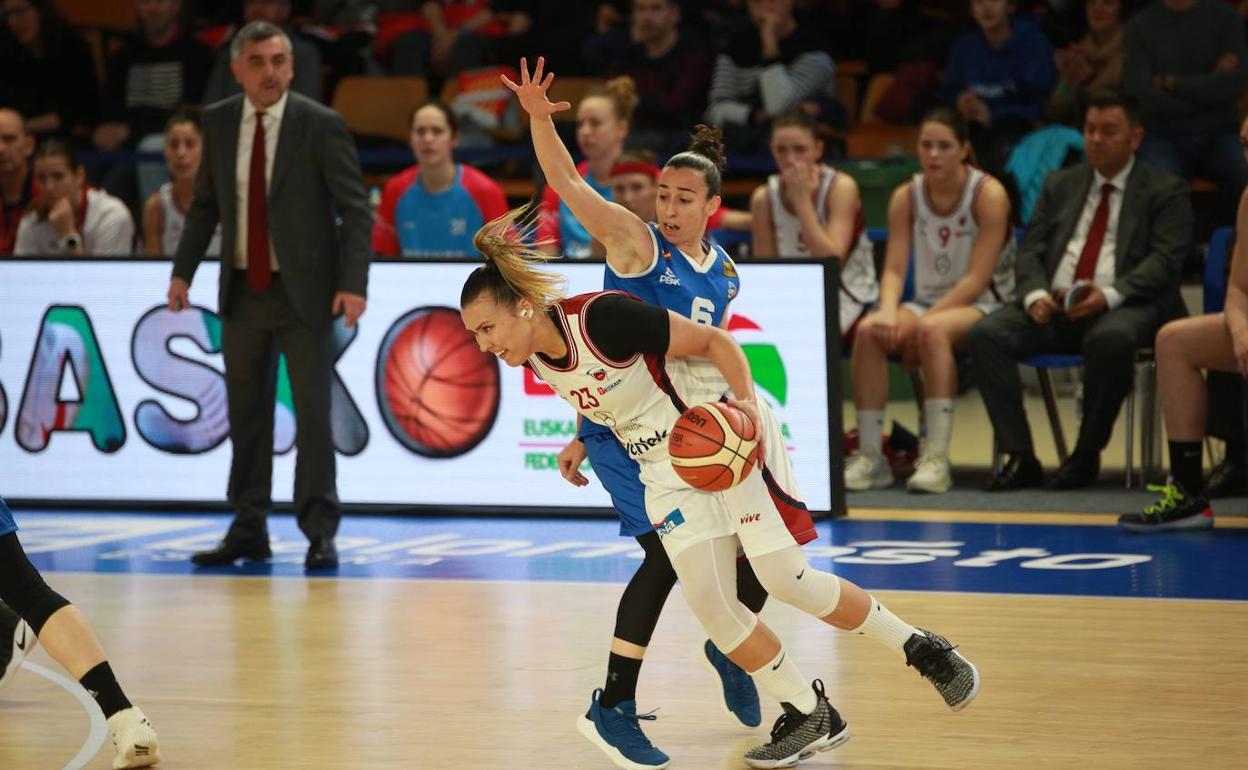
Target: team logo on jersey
[670,521]
[730,270]
[669,278]
[732,290]
[599,374]
[604,418]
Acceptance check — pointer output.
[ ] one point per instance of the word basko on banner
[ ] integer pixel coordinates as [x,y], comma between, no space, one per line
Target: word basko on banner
[437,392]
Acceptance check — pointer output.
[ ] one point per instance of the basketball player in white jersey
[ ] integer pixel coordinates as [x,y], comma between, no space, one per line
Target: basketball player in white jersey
[956,219]
[626,361]
[164,213]
[810,209]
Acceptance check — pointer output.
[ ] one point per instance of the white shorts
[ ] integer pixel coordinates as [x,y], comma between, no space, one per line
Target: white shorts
[919,307]
[765,511]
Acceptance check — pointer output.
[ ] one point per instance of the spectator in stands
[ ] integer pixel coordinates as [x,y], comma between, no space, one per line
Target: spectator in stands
[769,68]
[1186,61]
[221,82]
[670,65]
[954,219]
[458,35]
[49,75]
[17,179]
[68,217]
[635,186]
[810,209]
[164,214]
[161,67]
[602,125]
[1098,273]
[435,207]
[1093,63]
[999,76]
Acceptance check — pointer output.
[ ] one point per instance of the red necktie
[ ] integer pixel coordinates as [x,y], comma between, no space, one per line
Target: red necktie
[1086,269]
[259,272]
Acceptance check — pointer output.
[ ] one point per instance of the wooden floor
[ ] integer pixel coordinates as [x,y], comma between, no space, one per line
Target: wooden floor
[261,673]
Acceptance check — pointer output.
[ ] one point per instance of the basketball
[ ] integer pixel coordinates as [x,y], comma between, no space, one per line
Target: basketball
[713,446]
[437,390]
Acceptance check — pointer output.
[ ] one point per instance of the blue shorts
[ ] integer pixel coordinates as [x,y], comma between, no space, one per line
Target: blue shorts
[7,524]
[621,477]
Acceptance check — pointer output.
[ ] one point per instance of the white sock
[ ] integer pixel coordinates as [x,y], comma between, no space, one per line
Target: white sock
[938,417]
[871,431]
[782,681]
[886,628]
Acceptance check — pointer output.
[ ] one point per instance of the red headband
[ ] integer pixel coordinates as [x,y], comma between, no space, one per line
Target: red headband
[635,167]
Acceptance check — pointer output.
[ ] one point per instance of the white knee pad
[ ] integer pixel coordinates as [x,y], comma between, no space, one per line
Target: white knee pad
[787,577]
[708,578]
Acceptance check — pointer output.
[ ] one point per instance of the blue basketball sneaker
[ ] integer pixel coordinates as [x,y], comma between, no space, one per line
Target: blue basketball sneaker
[740,694]
[617,731]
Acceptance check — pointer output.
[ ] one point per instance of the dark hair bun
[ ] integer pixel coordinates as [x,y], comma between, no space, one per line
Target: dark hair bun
[708,141]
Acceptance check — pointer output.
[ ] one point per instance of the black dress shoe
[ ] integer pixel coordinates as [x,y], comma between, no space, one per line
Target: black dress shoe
[1020,472]
[1076,473]
[1228,479]
[321,554]
[230,551]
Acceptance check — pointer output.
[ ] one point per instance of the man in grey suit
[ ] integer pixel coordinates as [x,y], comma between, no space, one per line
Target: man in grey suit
[1098,273]
[279,172]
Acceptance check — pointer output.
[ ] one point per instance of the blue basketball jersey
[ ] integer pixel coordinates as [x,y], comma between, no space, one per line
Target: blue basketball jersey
[437,224]
[698,292]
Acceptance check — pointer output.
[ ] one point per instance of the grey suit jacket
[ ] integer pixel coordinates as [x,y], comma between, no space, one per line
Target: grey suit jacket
[319,219]
[1154,234]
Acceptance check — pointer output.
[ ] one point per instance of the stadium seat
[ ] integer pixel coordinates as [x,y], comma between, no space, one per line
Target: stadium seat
[379,106]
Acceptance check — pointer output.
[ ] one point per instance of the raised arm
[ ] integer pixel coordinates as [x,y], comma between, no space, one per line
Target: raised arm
[621,231]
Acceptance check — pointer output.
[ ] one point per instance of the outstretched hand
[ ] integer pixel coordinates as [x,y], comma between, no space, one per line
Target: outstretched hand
[531,92]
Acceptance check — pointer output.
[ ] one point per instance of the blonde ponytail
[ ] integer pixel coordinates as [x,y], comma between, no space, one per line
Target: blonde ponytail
[511,265]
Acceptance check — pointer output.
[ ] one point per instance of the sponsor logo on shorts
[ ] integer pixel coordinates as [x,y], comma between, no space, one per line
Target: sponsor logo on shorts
[670,522]
[750,518]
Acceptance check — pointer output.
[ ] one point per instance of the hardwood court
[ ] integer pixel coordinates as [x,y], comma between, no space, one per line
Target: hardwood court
[264,673]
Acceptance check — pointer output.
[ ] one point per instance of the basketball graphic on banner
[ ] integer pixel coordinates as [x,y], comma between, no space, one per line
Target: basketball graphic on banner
[438,392]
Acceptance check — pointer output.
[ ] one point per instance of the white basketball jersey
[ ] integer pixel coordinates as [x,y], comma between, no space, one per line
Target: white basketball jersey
[859,286]
[175,222]
[943,243]
[639,399]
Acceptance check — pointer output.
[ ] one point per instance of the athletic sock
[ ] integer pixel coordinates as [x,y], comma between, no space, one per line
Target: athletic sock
[621,684]
[781,680]
[1185,465]
[886,628]
[103,686]
[938,418]
[871,431]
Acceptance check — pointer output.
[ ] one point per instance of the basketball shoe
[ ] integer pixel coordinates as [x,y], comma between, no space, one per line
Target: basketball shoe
[931,474]
[1176,511]
[617,731]
[740,694]
[797,736]
[867,470]
[134,739]
[938,662]
[16,640]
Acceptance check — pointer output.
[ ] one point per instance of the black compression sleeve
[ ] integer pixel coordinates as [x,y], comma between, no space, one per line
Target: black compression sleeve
[622,326]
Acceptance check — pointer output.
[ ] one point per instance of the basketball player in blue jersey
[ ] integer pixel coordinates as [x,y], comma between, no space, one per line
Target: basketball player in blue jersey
[639,366]
[30,610]
[672,265]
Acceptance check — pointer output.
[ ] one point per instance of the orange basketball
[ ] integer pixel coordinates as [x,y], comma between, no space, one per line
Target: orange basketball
[713,446]
[438,392]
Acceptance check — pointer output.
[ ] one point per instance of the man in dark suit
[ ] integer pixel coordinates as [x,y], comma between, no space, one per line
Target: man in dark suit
[279,171]
[1098,273]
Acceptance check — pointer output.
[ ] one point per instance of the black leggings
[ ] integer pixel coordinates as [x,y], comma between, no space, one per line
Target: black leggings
[643,598]
[22,587]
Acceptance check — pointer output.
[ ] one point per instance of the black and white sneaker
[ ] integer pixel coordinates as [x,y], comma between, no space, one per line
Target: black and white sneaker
[16,640]
[953,676]
[797,736]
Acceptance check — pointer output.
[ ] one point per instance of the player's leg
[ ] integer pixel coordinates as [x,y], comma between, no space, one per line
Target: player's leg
[868,468]
[787,576]
[938,336]
[738,688]
[809,723]
[1184,348]
[611,722]
[68,638]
